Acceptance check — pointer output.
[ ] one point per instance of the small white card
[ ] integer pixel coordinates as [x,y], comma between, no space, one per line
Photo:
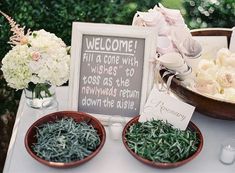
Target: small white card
[161,106]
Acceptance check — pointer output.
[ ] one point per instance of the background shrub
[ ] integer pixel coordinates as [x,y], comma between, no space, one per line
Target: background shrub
[210,13]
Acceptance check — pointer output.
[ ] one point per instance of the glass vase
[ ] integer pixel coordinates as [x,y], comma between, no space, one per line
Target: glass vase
[39,94]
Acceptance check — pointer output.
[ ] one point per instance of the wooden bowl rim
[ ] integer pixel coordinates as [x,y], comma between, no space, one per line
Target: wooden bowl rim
[179,83]
[206,105]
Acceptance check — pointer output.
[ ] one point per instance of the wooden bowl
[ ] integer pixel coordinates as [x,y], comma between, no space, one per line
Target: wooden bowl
[206,105]
[191,127]
[78,117]
[215,108]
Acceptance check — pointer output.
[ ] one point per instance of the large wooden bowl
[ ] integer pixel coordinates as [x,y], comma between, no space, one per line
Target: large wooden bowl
[208,106]
[212,107]
[191,127]
[30,136]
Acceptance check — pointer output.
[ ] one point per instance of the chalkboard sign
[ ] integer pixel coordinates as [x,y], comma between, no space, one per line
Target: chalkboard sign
[111,72]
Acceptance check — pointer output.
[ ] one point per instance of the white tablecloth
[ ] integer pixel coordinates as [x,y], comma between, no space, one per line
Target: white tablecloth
[114,157]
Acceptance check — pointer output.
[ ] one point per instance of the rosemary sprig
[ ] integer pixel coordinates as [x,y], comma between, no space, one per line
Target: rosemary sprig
[158,141]
[65,140]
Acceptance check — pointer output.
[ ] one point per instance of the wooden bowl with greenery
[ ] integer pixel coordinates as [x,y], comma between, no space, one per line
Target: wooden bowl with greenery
[158,144]
[65,139]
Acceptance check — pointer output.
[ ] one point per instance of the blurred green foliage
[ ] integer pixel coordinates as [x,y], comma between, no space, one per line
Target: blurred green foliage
[210,13]
[57,15]
[175,4]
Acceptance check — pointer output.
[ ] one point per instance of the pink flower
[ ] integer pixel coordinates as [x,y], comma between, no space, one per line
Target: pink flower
[36,56]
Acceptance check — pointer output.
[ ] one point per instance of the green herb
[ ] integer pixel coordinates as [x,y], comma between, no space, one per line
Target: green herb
[158,141]
[65,140]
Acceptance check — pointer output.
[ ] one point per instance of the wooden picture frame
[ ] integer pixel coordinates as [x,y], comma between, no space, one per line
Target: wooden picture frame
[88,52]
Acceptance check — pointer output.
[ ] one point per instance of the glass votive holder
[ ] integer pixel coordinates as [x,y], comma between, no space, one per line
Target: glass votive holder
[115,126]
[227,153]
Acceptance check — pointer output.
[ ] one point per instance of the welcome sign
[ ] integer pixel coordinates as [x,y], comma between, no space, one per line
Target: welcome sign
[110,70]
[111,75]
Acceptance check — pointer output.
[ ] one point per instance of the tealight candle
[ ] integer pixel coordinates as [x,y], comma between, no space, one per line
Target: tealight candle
[116,131]
[227,155]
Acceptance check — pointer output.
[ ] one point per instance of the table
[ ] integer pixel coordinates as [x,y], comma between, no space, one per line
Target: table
[114,157]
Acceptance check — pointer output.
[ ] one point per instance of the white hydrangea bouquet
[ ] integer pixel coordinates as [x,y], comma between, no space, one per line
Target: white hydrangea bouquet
[37,61]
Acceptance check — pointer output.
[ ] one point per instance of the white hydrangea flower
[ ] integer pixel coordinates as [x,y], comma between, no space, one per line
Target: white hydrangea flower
[15,67]
[43,59]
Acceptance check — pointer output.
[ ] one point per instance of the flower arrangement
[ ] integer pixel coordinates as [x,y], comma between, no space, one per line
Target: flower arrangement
[36,58]
[216,77]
